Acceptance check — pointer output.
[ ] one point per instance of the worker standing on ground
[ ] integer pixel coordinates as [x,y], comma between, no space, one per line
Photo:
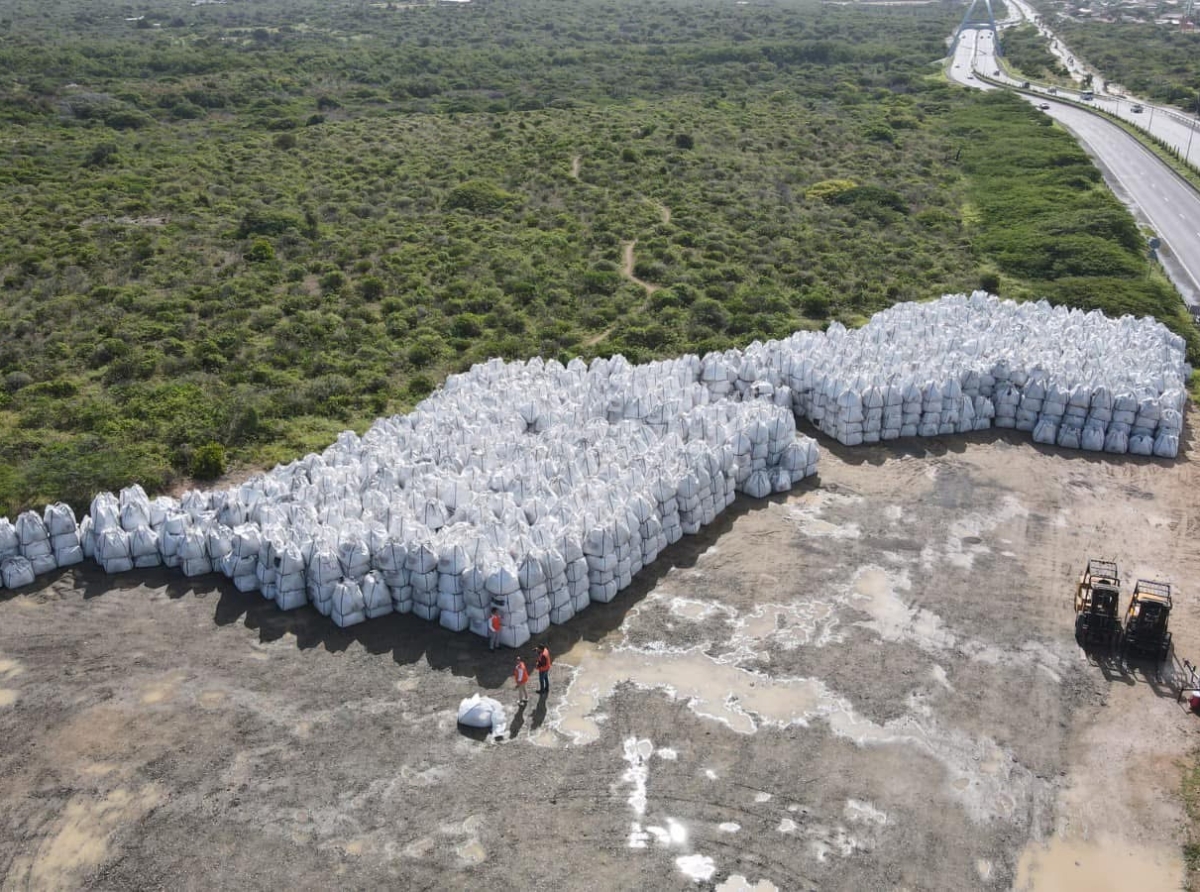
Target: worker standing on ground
[521,677]
[543,669]
[494,629]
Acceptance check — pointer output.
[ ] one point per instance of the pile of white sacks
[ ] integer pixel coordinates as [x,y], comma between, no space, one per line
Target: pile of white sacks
[536,488]
[530,488]
[1073,379]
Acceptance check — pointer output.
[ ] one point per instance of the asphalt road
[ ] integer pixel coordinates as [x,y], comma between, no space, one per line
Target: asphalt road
[1156,195]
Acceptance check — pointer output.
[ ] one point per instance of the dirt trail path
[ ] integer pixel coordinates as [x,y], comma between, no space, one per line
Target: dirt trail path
[627,258]
[627,264]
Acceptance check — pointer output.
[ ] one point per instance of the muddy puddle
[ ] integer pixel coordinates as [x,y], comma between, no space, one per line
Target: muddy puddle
[1105,865]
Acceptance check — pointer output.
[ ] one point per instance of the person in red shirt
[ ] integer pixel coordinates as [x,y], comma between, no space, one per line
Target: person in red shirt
[521,677]
[494,629]
[543,669]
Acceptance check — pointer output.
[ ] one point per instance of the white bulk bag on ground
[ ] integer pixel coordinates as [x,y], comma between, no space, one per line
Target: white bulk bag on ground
[348,606]
[16,572]
[478,711]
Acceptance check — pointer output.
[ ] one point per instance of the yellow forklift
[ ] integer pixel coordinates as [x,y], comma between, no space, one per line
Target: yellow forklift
[1098,606]
[1146,634]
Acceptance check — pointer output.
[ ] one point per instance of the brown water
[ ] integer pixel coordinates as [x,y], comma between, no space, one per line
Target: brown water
[1103,865]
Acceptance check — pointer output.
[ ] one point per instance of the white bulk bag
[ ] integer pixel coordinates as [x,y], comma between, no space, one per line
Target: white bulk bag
[478,711]
[16,572]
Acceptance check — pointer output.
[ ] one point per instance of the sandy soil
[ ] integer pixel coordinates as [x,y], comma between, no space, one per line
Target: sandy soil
[870,683]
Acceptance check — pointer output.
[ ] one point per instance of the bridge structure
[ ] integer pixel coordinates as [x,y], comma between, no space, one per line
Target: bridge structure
[969,24]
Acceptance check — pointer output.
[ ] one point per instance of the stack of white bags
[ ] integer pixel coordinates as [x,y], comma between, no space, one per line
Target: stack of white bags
[1073,379]
[534,488]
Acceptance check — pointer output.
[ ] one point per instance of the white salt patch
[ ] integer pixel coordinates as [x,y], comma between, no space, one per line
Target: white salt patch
[676,831]
[729,827]
[636,754]
[738,883]
[699,867]
[939,675]
[787,825]
[762,797]
[858,811]
[710,774]
[638,838]
[807,516]
[667,754]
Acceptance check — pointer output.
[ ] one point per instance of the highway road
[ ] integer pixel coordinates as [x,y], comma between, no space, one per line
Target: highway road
[1156,195]
[1177,129]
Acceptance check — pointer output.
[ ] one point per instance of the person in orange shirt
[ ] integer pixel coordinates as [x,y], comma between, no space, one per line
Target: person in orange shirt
[494,629]
[521,677]
[543,669]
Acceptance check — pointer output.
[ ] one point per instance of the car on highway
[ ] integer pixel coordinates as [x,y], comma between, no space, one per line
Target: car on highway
[1053,91]
[1044,106]
[1137,108]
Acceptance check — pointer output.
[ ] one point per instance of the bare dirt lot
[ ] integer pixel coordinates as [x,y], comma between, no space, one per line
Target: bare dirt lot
[868,684]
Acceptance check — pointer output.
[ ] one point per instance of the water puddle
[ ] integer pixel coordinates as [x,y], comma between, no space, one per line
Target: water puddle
[989,783]
[1103,865]
[738,699]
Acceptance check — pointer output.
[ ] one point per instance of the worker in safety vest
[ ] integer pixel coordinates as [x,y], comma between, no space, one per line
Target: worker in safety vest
[494,629]
[543,669]
[521,677]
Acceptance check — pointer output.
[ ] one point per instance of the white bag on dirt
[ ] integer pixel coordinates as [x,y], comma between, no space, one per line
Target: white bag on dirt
[348,606]
[16,572]
[59,519]
[478,711]
[10,545]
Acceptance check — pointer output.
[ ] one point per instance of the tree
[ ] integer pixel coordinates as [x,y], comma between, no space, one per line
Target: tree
[208,462]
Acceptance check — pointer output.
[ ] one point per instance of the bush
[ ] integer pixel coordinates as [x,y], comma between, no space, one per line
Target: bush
[208,462]
[479,196]
[102,155]
[261,251]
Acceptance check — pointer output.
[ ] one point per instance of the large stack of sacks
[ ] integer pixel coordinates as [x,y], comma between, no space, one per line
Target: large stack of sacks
[534,489]
[1073,379]
[481,500]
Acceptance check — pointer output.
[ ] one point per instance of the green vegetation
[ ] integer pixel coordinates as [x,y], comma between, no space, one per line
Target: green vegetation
[1025,51]
[1189,789]
[1046,219]
[1157,63]
[233,230]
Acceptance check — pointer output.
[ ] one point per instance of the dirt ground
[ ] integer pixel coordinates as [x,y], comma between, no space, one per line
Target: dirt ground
[870,683]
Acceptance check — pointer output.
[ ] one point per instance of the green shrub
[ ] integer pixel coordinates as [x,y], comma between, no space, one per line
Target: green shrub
[479,196]
[208,462]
